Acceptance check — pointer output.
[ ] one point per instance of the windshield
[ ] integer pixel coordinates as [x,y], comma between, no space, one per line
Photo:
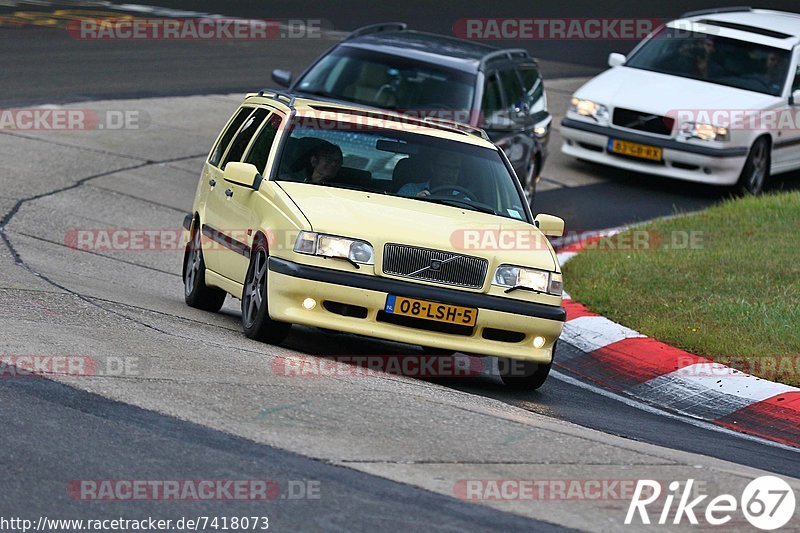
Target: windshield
[388,81]
[715,59]
[399,163]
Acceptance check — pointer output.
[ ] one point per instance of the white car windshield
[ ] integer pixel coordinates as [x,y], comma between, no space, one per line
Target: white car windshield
[400,163]
[714,59]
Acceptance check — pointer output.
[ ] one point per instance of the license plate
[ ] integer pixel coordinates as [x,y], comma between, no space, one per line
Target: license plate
[642,151]
[452,314]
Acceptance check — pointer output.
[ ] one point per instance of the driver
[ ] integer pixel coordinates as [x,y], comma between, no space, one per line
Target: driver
[447,171]
[323,165]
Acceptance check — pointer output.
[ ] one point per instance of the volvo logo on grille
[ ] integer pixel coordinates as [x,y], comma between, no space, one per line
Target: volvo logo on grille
[641,121]
[436,265]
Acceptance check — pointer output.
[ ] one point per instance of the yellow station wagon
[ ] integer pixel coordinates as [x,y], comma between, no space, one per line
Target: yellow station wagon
[376,224]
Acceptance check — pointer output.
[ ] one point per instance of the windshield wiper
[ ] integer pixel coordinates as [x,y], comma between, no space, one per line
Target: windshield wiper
[455,202]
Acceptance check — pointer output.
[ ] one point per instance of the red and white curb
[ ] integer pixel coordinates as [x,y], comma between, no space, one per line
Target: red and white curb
[624,361]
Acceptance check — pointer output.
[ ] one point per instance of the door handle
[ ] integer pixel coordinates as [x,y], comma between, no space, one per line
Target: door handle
[212,182]
[228,193]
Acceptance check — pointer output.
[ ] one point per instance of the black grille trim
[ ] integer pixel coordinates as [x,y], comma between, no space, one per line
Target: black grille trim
[641,121]
[417,263]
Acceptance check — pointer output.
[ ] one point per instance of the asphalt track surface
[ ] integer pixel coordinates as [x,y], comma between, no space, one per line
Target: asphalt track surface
[53,433]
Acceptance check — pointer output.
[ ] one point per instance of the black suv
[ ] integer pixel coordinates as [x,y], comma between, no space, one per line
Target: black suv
[426,75]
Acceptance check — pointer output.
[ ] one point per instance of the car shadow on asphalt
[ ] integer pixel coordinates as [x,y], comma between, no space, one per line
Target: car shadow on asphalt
[626,197]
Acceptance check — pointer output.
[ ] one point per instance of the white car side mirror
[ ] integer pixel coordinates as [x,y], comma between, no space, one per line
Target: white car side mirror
[795,98]
[616,60]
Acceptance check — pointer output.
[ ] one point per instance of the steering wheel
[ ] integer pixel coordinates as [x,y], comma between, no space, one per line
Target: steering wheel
[463,191]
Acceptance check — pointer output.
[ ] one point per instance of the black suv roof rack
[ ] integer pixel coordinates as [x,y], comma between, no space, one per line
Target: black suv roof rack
[377,28]
[507,53]
[715,11]
[460,126]
[280,96]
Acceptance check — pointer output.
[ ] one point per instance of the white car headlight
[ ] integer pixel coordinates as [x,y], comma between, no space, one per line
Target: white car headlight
[705,132]
[355,251]
[587,108]
[515,277]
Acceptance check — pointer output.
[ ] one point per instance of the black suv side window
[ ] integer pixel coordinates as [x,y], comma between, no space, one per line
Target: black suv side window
[230,131]
[796,84]
[534,90]
[246,132]
[512,89]
[492,100]
[259,153]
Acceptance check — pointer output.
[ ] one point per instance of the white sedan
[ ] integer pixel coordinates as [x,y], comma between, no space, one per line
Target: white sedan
[713,97]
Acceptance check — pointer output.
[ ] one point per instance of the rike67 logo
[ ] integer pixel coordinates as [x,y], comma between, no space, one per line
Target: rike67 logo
[767,502]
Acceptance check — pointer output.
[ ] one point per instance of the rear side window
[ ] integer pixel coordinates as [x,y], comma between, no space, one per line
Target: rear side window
[259,153]
[492,101]
[796,84]
[246,132]
[512,87]
[230,131]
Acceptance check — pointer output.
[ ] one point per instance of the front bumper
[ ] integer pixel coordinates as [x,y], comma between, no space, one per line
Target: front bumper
[290,283]
[686,161]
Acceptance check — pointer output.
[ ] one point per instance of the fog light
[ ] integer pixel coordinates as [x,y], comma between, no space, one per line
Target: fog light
[538,342]
[309,303]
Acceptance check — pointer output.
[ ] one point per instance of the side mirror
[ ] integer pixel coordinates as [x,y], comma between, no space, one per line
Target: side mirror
[616,60]
[794,99]
[282,77]
[243,174]
[550,225]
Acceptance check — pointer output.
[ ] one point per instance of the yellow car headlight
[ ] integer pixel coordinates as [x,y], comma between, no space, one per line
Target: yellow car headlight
[532,279]
[323,245]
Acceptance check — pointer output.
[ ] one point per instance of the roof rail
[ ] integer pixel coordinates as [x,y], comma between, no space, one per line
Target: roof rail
[715,11]
[507,53]
[377,28]
[460,126]
[280,96]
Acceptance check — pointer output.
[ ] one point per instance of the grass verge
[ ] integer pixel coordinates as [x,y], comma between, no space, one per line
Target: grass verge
[723,283]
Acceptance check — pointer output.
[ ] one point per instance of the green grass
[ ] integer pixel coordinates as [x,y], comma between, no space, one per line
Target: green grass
[732,295]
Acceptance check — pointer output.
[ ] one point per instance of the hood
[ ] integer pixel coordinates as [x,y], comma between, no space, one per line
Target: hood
[660,94]
[381,219]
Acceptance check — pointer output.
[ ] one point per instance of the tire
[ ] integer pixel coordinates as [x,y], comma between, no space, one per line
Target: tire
[756,169]
[530,183]
[195,291]
[256,323]
[524,375]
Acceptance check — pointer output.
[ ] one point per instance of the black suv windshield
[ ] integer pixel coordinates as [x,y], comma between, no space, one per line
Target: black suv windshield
[388,81]
[700,56]
[346,155]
